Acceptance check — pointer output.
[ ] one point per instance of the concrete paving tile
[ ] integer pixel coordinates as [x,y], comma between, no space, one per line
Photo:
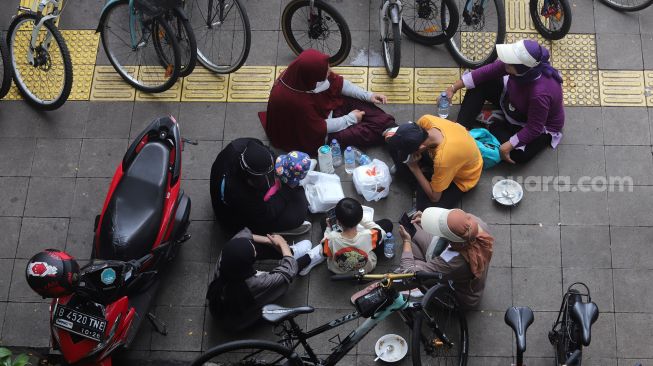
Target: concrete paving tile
[6,266]
[20,290]
[480,344]
[544,164]
[583,126]
[146,112]
[205,237]
[37,234]
[197,159]
[261,53]
[537,339]
[627,300]
[630,208]
[321,344]
[50,197]
[391,325]
[501,255]
[63,122]
[538,288]
[636,131]
[647,49]
[100,157]
[585,246]
[630,161]
[56,157]
[198,191]
[79,242]
[242,121]
[215,335]
[263,14]
[498,290]
[368,360]
[3,308]
[10,228]
[631,329]
[489,361]
[479,202]
[321,289]
[184,284]
[619,51]
[185,326]
[13,195]
[83,16]
[375,50]
[585,23]
[608,20]
[631,247]
[26,325]
[360,49]
[599,282]
[534,361]
[535,246]
[577,161]
[97,125]
[89,196]
[584,208]
[401,112]
[143,339]
[536,208]
[204,121]
[432,56]
[21,151]
[17,119]
[646,20]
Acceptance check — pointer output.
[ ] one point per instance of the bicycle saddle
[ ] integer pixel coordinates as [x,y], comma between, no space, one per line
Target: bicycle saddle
[585,314]
[519,319]
[276,314]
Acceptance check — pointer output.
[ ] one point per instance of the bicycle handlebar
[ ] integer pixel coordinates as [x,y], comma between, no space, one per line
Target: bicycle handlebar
[361,276]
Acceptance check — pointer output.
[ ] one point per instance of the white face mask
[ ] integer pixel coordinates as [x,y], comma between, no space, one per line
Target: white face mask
[321,86]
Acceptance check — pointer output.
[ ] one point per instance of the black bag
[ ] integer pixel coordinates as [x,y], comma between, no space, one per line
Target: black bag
[374,301]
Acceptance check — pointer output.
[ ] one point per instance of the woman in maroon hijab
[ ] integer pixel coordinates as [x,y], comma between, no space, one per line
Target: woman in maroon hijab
[310,105]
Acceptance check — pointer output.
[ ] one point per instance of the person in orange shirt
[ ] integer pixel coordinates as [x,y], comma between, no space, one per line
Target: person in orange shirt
[442,157]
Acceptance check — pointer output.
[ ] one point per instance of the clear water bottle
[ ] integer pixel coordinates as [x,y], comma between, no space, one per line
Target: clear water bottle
[443,105]
[350,160]
[364,160]
[336,153]
[389,246]
[325,159]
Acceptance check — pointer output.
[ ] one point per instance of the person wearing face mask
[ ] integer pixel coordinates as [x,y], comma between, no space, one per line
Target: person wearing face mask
[309,105]
[454,243]
[245,192]
[528,90]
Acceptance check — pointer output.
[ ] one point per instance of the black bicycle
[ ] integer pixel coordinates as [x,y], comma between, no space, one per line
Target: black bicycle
[5,68]
[551,18]
[438,327]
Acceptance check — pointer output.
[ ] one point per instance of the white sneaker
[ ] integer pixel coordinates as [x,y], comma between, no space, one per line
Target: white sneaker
[393,169]
[301,248]
[316,258]
[299,230]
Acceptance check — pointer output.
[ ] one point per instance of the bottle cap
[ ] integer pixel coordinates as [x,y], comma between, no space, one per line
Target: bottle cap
[334,141]
[388,235]
[443,94]
[324,149]
[348,148]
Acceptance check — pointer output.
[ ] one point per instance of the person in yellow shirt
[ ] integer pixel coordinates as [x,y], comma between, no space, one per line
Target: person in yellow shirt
[443,146]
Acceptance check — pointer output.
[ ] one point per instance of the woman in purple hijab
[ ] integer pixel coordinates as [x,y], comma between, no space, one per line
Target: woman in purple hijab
[528,90]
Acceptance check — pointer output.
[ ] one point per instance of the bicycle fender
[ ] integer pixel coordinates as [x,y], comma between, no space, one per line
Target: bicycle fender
[103,14]
[180,13]
[394,13]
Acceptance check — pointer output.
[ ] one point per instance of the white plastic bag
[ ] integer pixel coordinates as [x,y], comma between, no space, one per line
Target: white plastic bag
[323,191]
[372,181]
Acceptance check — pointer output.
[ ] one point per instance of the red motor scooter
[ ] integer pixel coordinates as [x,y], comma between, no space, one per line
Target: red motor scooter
[142,224]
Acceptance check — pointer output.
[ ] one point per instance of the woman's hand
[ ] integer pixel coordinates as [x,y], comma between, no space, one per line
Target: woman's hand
[378,98]
[280,244]
[358,114]
[505,150]
[404,234]
[417,218]
[450,91]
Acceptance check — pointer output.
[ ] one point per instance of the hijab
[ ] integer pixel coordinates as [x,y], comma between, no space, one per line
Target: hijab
[477,245]
[527,74]
[299,105]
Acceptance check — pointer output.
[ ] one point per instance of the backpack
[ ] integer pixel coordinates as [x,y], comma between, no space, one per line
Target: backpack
[488,145]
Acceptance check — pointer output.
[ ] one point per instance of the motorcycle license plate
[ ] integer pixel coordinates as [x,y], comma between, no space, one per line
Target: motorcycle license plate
[85,325]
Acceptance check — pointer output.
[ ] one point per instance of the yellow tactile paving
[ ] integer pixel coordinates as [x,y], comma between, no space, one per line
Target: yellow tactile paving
[518,18]
[83,45]
[251,84]
[477,45]
[398,90]
[13,93]
[155,74]
[514,37]
[622,88]
[204,86]
[279,70]
[648,81]
[109,86]
[430,82]
[580,87]
[82,81]
[575,51]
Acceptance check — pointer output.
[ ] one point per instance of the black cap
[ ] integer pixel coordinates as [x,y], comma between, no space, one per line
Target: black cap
[405,141]
[256,159]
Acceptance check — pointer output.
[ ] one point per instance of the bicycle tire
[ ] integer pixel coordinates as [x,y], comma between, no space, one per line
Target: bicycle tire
[542,28]
[616,5]
[466,59]
[439,300]
[61,95]
[206,55]
[5,67]
[391,58]
[170,76]
[269,346]
[447,7]
[293,7]
[185,39]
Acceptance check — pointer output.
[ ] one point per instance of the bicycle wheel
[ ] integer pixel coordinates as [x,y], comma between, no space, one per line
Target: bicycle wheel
[551,18]
[390,44]
[426,22]
[439,335]
[45,82]
[135,55]
[628,5]
[482,27]
[324,30]
[5,68]
[223,33]
[183,32]
[247,352]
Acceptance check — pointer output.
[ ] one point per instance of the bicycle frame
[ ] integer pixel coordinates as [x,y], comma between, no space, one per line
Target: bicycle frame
[221,13]
[57,5]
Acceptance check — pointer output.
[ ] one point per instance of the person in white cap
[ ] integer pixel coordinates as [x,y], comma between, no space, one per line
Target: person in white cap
[454,243]
[527,89]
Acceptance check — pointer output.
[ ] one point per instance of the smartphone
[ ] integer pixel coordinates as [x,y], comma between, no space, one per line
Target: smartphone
[331,215]
[409,226]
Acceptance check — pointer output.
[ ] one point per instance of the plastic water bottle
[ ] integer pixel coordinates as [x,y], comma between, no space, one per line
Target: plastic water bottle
[443,105]
[389,246]
[325,159]
[364,160]
[336,153]
[350,160]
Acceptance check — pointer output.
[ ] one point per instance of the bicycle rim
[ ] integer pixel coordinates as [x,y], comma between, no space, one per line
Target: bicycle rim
[480,29]
[245,353]
[426,21]
[185,37]
[222,31]
[47,83]
[145,61]
[628,5]
[5,68]
[551,18]
[391,44]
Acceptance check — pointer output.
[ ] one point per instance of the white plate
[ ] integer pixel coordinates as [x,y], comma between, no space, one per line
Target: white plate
[507,192]
[399,347]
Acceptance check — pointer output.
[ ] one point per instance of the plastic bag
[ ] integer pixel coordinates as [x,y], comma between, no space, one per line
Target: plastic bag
[488,145]
[323,191]
[372,181]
